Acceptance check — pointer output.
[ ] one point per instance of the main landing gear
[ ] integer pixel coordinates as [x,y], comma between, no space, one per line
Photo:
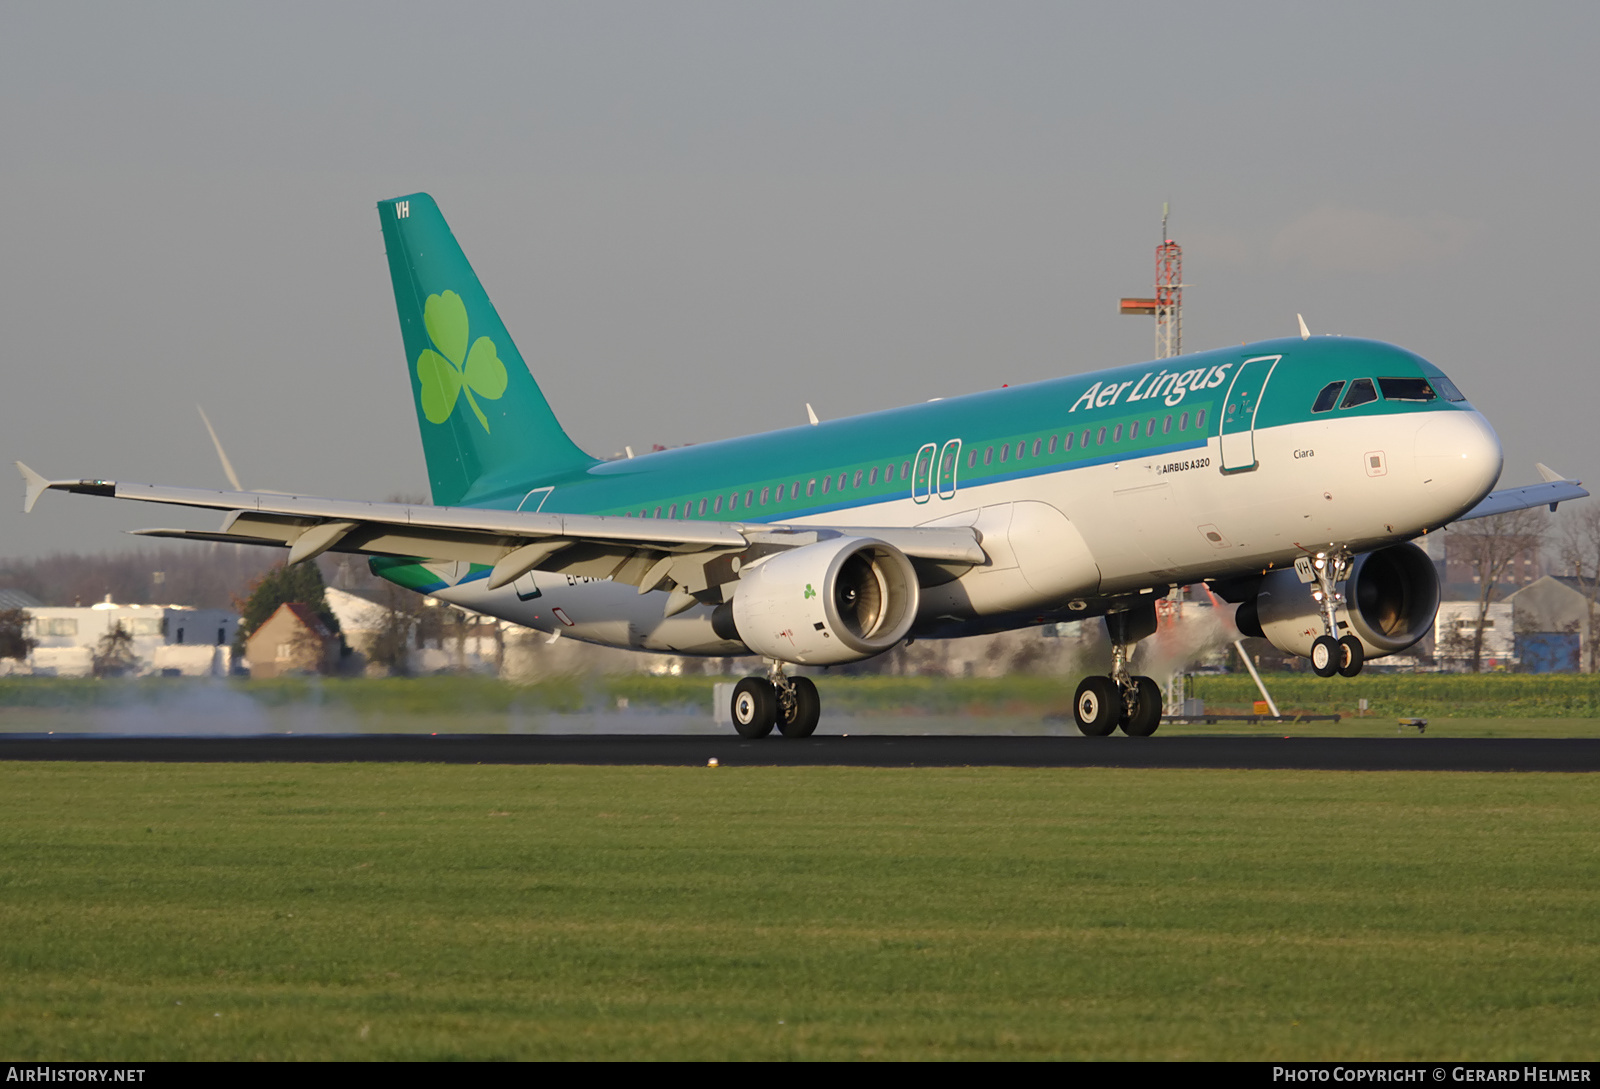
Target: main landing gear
[789,703]
[1332,653]
[1134,703]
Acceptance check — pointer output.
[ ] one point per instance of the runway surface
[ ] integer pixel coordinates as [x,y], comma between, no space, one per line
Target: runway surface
[1328,754]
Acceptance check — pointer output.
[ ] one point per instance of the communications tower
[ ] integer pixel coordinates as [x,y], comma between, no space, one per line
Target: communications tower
[1167,306]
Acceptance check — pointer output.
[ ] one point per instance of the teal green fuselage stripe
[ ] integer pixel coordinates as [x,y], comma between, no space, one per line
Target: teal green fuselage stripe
[984,422]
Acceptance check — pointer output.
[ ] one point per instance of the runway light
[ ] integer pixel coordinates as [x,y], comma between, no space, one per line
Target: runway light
[712,763]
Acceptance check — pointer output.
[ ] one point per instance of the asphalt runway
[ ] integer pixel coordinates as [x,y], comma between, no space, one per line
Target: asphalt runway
[1322,753]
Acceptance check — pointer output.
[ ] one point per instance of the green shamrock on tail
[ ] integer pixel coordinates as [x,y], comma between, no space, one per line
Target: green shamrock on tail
[444,372]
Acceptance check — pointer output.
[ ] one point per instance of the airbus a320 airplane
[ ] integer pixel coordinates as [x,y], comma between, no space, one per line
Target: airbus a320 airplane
[1289,475]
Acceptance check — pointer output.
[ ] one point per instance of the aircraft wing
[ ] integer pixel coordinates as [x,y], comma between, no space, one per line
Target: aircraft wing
[693,555]
[1555,489]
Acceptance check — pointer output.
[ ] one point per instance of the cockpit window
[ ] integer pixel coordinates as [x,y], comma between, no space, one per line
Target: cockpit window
[1406,389]
[1447,389]
[1361,391]
[1328,397]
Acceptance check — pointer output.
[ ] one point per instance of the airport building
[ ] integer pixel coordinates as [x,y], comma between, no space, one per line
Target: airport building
[169,640]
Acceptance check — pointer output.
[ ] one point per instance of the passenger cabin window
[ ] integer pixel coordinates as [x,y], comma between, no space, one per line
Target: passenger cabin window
[716,508]
[1406,389]
[1361,392]
[1052,448]
[1328,397]
[1447,389]
[1183,422]
[1116,433]
[703,507]
[888,475]
[872,477]
[1037,445]
[1166,425]
[827,482]
[1005,451]
[972,458]
[811,487]
[1133,430]
[673,513]
[1200,418]
[1066,440]
[1100,439]
[988,454]
[766,492]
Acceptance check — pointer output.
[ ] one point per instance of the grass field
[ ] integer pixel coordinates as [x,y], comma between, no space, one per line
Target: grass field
[389,911]
[1487,705]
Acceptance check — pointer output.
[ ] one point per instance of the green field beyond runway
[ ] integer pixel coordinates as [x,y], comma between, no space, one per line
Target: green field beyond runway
[426,912]
[1455,705]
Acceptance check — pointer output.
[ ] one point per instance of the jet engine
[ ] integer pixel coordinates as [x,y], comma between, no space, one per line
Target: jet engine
[1390,600]
[838,600]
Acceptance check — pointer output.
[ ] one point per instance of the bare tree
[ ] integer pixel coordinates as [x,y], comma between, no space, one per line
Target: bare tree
[1490,546]
[14,639]
[391,647]
[1578,545]
[115,655]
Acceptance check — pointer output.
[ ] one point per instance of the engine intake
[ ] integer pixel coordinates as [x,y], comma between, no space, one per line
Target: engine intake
[839,600]
[1391,597]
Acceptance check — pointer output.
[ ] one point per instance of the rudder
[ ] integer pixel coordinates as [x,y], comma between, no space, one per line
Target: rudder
[487,431]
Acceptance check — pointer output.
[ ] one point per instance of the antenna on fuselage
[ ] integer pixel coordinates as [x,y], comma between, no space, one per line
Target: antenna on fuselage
[1305,334]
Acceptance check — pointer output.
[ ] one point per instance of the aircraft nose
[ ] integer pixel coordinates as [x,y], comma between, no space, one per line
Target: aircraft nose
[1458,458]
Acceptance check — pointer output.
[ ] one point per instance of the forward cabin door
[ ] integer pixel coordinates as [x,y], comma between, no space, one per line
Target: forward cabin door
[1239,413]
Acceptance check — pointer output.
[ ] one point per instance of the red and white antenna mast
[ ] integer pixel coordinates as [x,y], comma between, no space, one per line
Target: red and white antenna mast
[1167,306]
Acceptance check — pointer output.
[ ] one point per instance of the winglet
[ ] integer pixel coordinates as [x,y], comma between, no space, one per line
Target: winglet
[37,486]
[1305,334]
[222,455]
[1547,474]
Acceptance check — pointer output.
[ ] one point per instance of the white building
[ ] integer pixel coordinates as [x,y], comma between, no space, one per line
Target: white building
[171,640]
[1455,625]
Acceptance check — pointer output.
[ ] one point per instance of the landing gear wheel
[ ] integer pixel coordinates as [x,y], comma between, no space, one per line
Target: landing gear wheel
[1097,706]
[1146,715]
[799,718]
[755,707]
[1325,656]
[1351,656]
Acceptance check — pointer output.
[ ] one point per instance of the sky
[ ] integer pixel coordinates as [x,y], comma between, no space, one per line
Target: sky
[694,218]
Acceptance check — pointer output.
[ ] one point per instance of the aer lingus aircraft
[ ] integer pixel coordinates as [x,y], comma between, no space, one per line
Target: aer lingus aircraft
[1289,474]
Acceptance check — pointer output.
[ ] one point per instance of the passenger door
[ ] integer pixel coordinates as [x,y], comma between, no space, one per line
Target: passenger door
[1239,413]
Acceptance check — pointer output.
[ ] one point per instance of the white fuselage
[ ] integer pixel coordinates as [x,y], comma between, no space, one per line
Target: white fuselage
[1075,537]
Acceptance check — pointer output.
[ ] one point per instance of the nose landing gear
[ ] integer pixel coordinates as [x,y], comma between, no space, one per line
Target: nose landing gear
[1332,653]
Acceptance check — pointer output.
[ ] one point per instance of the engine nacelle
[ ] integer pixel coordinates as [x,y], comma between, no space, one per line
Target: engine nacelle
[1390,597]
[836,601]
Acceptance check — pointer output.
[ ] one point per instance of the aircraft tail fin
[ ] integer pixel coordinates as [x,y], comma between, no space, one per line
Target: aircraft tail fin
[487,430]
